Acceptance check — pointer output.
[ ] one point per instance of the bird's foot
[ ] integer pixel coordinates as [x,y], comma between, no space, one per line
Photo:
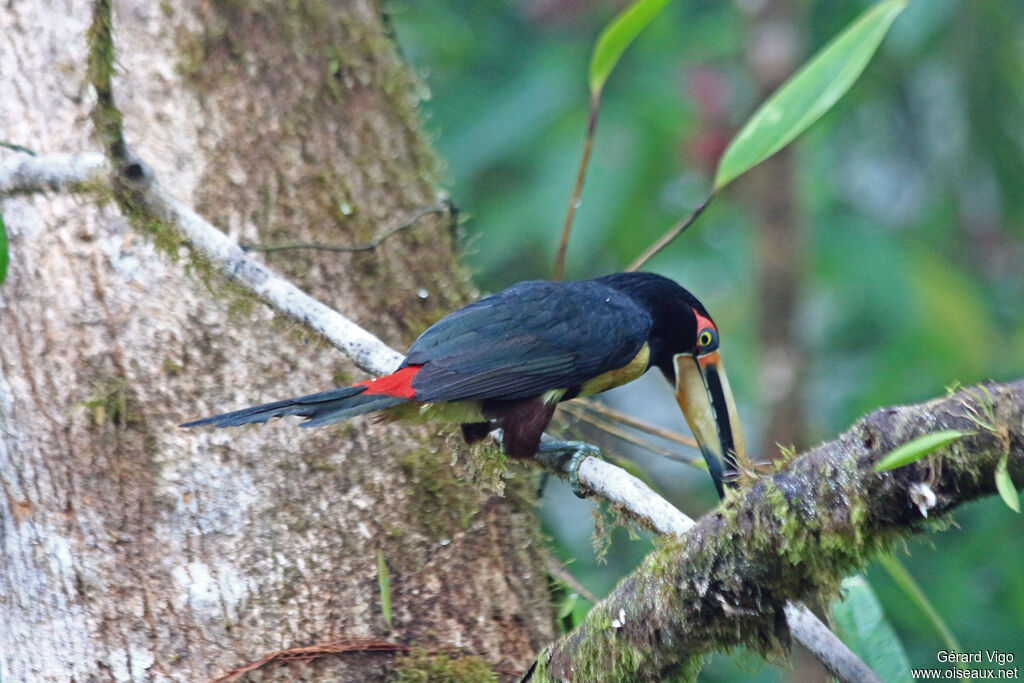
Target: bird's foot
[568,456]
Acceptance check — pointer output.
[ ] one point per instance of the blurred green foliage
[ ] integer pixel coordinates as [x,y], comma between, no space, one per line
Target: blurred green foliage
[861,623]
[911,193]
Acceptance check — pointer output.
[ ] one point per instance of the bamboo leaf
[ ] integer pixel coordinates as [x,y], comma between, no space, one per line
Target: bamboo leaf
[384,580]
[864,628]
[915,449]
[617,36]
[1004,484]
[4,257]
[811,92]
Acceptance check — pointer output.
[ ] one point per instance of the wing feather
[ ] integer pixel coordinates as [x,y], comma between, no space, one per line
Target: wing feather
[528,339]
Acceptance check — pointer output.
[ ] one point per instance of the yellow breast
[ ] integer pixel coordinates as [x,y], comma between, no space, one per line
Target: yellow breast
[613,378]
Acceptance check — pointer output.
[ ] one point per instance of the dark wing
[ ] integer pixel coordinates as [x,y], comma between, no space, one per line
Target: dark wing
[528,339]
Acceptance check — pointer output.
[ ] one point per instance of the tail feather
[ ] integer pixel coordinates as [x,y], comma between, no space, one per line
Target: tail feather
[320,409]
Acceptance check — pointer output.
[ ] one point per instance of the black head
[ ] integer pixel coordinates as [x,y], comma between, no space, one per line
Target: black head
[681,324]
[684,346]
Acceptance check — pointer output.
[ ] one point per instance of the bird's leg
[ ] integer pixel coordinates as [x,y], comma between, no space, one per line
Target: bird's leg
[558,454]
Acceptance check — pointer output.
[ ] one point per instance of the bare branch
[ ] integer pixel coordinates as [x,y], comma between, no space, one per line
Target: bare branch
[577,190]
[558,571]
[365,350]
[443,206]
[23,174]
[670,234]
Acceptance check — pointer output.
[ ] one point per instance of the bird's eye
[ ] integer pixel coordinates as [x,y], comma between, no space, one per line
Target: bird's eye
[707,339]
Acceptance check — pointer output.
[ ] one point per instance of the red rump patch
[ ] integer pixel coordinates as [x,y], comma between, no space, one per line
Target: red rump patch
[398,384]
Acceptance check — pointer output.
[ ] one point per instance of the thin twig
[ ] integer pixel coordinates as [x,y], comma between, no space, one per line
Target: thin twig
[338,647]
[365,350]
[557,570]
[442,207]
[574,201]
[16,148]
[630,421]
[610,427]
[311,652]
[670,235]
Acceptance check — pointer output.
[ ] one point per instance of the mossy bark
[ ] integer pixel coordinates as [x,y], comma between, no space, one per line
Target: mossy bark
[790,536]
[137,551]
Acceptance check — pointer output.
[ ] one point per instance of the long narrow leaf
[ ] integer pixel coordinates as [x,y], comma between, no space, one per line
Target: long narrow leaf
[915,449]
[1004,484]
[809,94]
[617,36]
[384,581]
[907,584]
[863,627]
[3,249]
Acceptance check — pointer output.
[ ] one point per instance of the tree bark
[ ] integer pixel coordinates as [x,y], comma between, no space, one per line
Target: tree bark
[137,551]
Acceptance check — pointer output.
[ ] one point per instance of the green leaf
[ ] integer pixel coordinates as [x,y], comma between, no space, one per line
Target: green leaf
[617,36]
[910,588]
[915,449]
[811,92]
[1004,484]
[567,605]
[3,249]
[862,625]
[384,580]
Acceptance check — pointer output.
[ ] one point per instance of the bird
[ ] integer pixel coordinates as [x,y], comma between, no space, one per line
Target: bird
[507,360]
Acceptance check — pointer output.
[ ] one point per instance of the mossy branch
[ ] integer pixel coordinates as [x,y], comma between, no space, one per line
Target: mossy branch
[789,536]
[105,115]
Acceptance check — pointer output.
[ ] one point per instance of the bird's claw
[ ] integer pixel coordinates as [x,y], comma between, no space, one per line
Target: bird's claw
[568,455]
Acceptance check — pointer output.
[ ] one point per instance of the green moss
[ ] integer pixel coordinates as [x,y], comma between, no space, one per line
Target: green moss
[601,538]
[342,378]
[100,69]
[113,402]
[687,671]
[446,502]
[488,467]
[786,455]
[422,666]
[98,188]
[601,656]
[191,55]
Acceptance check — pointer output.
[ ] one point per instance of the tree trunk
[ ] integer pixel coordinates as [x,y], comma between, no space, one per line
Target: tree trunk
[772,56]
[136,551]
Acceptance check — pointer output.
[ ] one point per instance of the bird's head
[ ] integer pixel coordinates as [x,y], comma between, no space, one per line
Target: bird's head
[684,346]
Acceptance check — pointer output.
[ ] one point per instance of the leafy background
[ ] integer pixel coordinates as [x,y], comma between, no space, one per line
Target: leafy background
[911,203]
